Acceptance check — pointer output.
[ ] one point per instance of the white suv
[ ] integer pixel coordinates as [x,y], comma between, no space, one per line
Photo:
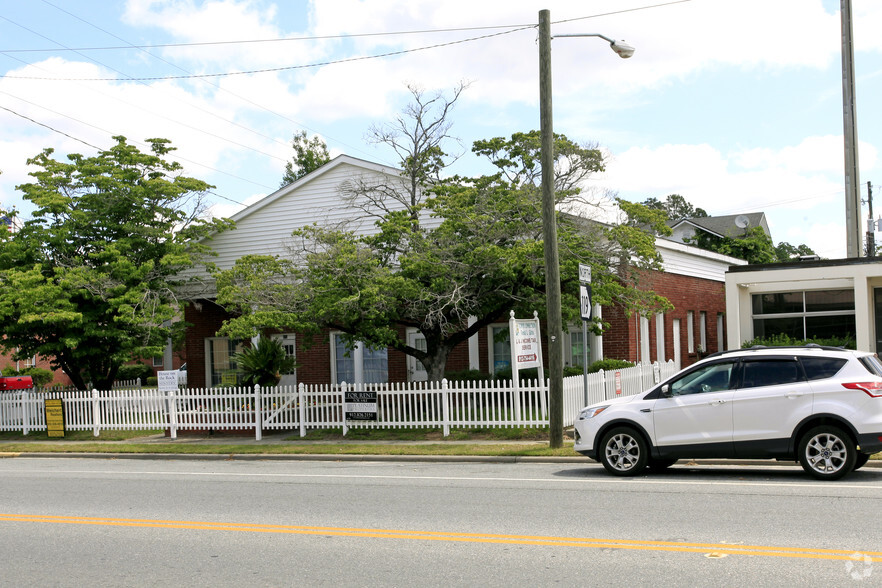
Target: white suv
[821,406]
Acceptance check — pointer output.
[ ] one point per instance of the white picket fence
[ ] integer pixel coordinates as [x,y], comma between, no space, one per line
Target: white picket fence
[407,405]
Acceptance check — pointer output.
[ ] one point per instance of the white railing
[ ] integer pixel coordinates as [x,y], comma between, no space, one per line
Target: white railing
[406,405]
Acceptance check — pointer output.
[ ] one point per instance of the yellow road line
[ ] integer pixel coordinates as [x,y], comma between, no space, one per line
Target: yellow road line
[673,546]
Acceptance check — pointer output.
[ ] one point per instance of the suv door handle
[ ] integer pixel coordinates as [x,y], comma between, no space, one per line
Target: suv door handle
[719,401]
[792,394]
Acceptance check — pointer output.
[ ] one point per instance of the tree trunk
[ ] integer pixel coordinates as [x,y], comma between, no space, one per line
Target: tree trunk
[435,362]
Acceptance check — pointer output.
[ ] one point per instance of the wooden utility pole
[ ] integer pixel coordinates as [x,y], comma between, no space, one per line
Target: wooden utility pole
[849,126]
[549,235]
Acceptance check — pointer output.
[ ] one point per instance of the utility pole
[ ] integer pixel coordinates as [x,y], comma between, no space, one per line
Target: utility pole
[871,224]
[549,236]
[849,117]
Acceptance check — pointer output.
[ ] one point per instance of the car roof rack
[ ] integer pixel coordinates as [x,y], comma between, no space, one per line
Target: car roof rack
[776,347]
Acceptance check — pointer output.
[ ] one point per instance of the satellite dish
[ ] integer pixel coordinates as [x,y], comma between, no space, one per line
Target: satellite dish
[741,221]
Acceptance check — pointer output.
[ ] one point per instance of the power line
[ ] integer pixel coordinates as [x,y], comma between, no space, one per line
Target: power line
[274,69]
[328,37]
[53,129]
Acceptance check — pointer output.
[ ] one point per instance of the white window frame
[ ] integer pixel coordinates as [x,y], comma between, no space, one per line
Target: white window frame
[720,338]
[491,359]
[357,356]
[209,380]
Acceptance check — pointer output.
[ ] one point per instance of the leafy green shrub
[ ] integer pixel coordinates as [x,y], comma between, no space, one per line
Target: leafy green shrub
[134,371]
[782,340]
[153,381]
[609,364]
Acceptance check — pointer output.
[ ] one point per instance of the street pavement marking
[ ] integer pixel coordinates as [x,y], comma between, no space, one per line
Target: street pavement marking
[674,546]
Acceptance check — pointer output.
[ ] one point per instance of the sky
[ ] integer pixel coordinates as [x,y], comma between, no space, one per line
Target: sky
[736,105]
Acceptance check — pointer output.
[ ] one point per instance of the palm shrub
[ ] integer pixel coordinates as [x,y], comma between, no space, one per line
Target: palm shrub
[264,363]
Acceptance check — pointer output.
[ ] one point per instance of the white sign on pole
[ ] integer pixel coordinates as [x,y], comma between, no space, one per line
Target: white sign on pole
[167,380]
[525,342]
[584,273]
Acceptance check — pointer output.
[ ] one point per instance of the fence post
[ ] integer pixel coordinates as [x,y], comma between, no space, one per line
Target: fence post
[301,408]
[258,433]
[96,414]
[25,415]
[343,407]
[445,407]
[603,382]
[172,415]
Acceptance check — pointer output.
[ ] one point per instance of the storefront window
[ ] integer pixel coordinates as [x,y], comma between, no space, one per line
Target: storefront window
[812,314]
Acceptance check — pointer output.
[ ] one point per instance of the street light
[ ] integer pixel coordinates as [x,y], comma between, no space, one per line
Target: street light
[549,224]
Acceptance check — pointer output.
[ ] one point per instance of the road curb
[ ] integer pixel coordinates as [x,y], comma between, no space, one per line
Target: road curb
[874,464]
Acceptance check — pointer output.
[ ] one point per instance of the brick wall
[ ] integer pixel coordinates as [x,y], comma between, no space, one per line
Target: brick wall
[686,294]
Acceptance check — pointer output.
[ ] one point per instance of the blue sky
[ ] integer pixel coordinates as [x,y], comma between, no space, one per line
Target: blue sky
[734,104]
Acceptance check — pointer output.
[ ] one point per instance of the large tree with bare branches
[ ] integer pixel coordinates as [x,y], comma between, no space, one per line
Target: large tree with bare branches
[479,258]
[89,281]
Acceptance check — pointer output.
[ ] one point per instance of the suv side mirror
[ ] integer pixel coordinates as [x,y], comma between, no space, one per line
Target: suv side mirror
[666,391]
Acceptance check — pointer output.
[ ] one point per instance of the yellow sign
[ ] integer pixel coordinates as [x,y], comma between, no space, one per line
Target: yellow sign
[54,417]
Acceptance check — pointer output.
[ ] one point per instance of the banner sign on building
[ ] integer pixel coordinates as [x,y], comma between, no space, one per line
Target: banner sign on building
[360,406]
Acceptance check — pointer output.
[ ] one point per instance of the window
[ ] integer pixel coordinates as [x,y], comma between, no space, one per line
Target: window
[158,361]
[690,331]
[644,340]
[222,369]
[576,355]
[819,368]
[812,314]
[660,338]
[500,348]
[702,330]
[770,372]
[359,364]
[720,333]
[708,378]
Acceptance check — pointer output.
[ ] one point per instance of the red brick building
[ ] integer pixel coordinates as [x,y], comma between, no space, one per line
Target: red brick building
[692,280]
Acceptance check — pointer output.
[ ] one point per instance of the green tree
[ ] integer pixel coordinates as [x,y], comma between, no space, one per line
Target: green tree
[89,281]
[784,251]
[675,207]
[484,259]
[309,155]
[754,246]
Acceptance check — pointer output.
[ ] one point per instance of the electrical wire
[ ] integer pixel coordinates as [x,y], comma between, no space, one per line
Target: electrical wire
[274,69]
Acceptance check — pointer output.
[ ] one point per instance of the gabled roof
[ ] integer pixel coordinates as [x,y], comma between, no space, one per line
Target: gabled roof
[313,175]
[732,226]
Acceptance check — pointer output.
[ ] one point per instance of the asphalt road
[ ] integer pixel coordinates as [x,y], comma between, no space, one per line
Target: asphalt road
[112,522]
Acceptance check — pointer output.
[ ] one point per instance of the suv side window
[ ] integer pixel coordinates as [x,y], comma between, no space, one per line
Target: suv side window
[708,378]
[770,372]
[820,368]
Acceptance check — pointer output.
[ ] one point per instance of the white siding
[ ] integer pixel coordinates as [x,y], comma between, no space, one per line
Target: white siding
[265,227]
[686,260]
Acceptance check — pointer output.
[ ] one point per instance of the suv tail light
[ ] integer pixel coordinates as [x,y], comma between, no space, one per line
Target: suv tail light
[874,389]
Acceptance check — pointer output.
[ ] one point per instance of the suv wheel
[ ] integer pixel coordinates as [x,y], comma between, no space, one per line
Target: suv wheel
[861,461]
[623,452]
[827,453]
